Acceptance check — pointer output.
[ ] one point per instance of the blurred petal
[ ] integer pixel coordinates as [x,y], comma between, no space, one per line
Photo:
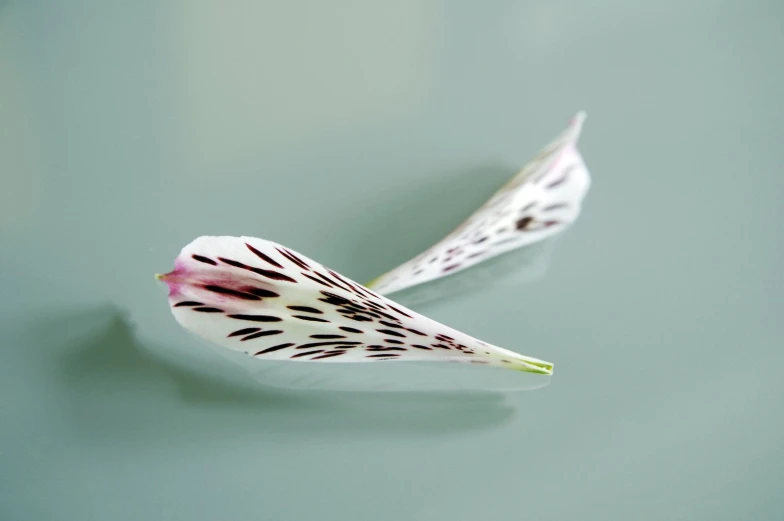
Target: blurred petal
[542,200]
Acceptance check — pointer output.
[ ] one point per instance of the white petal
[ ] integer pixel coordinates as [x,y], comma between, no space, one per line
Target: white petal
[543,199]
[258,297]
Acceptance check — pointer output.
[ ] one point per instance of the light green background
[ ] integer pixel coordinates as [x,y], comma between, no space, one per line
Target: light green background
[359,132]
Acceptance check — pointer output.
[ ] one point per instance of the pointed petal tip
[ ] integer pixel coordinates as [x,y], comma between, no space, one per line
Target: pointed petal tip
[538,367]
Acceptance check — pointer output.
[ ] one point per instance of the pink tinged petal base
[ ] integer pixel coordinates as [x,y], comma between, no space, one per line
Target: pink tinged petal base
[542,200]
[260,298]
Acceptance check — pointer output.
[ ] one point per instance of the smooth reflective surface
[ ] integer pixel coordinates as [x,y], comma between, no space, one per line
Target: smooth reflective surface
[129,130]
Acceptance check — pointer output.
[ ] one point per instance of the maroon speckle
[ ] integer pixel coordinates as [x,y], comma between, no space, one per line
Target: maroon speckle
[203,259]
[208,310]
[293,258]
[328,355]
[187,303]
[246,331]
[230,292]
[309,319]
[266,258]
[351,329]
[257,318]
[314,279]
[261,334]
[274,348]
[523,223]
[393,308]
[270,274]
[298,355]
[306,309]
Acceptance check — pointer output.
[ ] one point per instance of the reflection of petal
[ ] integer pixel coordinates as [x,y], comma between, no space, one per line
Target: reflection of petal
[540,201]
[257,297]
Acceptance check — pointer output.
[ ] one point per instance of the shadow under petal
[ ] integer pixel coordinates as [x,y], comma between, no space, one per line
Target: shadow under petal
[112,387]
[402,225]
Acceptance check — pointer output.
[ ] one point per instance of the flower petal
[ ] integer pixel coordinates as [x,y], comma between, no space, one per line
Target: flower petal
[258,297]
[540,201]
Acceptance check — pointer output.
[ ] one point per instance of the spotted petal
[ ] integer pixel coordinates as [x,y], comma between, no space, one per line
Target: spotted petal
[258,297]
[540,201]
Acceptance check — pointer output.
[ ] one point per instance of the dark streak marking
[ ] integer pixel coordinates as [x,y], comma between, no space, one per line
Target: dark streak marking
[390,332]
[335,299]
[205,260]
[393,308]
[557,182]
[307,353]
[523,223]
[384,355]
[390,324]
[187,303]
[364,290]
[328,280]
[274,275]
[293,258]
[360,318]
[374,304]
[208,310]
[452,267]
[245,331]
[336,343]
[261,334]
[418,346]
[270,274]
[341,281]
[329,355]
[567,172]
[441,346]
[327,336]
[230,292]
[260,292]
[257,318]
[351,329]
[314,279]
[306,309]
[481,240]
[387,348]
[309,319]
[393,341]
[387,315]
[264,256]
[415,331]
[369,313]
[273,348]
